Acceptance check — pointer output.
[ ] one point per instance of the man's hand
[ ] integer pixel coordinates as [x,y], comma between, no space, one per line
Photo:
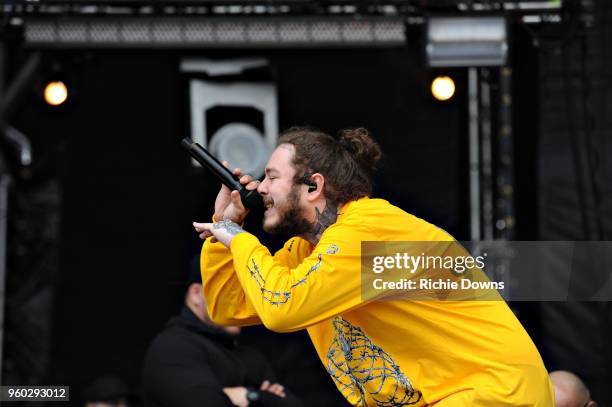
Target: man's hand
[274,388]
[228,205]
[224,231]
[237,395]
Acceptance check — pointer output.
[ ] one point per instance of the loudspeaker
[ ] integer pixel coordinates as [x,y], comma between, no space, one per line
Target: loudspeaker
[236,119]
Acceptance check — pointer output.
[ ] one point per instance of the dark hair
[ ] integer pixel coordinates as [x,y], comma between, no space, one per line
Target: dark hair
[347,163]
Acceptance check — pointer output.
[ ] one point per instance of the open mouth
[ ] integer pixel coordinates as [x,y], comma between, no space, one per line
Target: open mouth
[268,204]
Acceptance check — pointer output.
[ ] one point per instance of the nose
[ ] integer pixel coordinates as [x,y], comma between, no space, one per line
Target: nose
[262,188]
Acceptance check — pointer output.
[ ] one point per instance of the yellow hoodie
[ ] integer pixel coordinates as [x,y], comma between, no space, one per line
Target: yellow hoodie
[379,353]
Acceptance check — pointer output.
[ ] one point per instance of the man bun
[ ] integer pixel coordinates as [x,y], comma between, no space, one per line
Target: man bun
[347,162]
[364,149]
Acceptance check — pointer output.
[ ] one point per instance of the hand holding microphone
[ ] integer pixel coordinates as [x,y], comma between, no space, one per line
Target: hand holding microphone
[229,205]
[238,193]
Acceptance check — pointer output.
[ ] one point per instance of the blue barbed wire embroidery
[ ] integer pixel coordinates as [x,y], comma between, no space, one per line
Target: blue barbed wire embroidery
[360,367]
[279,297]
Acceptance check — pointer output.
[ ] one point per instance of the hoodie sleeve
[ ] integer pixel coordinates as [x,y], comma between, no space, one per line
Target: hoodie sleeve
[290,297]
[225,297]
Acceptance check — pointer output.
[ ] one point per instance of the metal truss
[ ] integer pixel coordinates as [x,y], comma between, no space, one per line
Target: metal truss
[266,7]
[241,23]
[216,32]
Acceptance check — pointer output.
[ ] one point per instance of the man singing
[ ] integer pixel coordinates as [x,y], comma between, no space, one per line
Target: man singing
[379,353]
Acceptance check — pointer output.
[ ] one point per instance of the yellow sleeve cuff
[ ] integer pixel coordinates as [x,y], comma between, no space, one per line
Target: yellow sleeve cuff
[242,240]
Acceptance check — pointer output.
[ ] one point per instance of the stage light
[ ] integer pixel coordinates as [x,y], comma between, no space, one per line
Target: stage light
[443,88]
[56,93]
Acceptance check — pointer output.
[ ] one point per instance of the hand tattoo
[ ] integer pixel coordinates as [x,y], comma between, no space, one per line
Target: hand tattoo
[231,227]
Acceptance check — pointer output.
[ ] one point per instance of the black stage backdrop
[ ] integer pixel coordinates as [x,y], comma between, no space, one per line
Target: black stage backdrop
[574,180]
[129,193]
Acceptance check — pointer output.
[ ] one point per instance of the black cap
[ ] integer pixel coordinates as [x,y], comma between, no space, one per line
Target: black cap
[193,274]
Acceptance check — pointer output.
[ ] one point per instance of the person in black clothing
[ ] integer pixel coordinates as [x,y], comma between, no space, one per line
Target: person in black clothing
[107,391]
[194,362]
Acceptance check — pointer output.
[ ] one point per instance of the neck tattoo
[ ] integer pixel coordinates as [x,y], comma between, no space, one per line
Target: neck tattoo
[323,220]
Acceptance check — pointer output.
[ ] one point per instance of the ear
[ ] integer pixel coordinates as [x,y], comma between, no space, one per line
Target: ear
[316,189]
[194,293]
[592,404]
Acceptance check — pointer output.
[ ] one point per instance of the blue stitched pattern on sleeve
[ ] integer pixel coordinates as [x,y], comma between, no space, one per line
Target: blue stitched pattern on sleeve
[279,297]
[360,367]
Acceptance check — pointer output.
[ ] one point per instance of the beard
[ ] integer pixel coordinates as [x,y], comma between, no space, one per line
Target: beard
[292,222]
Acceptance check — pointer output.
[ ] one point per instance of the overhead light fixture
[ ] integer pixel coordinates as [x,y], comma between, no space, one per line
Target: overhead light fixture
[466,41]
[443,88]
[55,93]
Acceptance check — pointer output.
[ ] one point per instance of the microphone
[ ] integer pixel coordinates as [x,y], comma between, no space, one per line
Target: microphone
[250,199]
